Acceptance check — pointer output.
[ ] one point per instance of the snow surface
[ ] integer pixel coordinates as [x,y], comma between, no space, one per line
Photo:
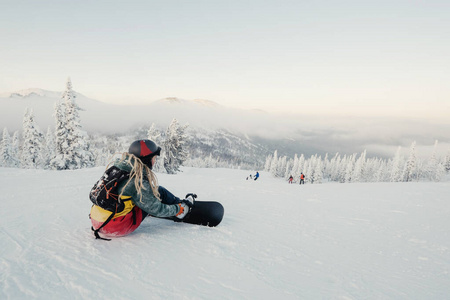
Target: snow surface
[277,241]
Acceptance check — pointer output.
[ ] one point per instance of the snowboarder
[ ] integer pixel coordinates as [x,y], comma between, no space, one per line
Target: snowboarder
[302,178]
[256,175]
[140,194]
[291,179]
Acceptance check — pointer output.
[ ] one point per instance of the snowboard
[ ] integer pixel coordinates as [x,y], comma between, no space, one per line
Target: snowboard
[206,213]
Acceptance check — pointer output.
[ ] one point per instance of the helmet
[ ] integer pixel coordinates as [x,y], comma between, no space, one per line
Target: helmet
[145,150]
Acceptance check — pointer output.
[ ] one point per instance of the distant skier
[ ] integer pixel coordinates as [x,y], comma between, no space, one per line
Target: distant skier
[256,175]
[291,179]
[302,178]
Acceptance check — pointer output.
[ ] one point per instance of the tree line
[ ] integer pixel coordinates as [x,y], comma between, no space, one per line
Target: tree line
[359,168]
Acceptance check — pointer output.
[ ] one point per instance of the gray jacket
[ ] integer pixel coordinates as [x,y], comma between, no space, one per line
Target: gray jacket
[149,203]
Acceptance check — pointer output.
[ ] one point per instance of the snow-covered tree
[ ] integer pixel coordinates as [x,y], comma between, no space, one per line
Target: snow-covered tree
[268,163]
[349,168]
[281,170]
[358,171]
[379,174]
[79,153]
[16,147]
[396,173]
[410,170]
[8,156]
[318,171]
[295,172]
[274,164]
[447,162]
[49,148]
[72,143]
[434,170]
[31,157]
[174,147]
[60,160]
[154,134]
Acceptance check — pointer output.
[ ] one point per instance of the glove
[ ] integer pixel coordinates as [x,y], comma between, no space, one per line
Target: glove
[186,205]
[184,210]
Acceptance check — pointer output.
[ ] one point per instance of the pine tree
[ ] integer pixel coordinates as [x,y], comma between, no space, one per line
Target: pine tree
[79,154]
[281,166]
[16,149]
[8,157]
[395,174]
[49,148]
[174,147]
[60,160]
[447,162]
[154,135]
[410,170]
[434,169]
[335,167]
[349,168]
[32,143]
[318,171]
[359,168]
[380,172]
[295,172]
[72,145]
[268,163]
[274,164]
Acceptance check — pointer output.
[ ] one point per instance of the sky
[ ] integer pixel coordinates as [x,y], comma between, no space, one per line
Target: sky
[375,58]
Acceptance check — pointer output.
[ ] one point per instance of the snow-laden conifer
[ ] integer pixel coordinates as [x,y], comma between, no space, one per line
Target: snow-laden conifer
[396,165]
[434,169]
[31,157]
[49,148]
[410,170]
[358,170]
[349,168]
[8,156]
[317,175]
[174,147]
[268,163]
[60,160]
[72,143]
[274,164]
[447,162]
[154,135]
[78,150]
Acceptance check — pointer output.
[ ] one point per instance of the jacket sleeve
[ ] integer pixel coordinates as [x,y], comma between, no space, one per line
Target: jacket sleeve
[149,203]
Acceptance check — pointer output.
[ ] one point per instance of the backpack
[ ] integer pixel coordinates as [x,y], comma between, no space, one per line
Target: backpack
[105,194]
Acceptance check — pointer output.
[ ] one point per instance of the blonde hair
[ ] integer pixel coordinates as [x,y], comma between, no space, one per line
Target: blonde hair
[137,175]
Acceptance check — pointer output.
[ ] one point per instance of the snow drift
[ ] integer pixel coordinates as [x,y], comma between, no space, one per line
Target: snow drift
[277,241]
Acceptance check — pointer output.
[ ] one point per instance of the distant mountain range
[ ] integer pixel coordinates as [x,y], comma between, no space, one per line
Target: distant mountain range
[261,131]
[225,132]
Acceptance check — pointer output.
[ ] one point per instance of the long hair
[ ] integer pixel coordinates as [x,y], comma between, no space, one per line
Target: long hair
[137,175]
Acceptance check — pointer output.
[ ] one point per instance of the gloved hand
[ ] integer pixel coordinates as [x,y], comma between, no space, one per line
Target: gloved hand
[186,205]
[184,210]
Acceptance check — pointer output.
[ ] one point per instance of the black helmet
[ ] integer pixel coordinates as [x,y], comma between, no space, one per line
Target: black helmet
[145,150]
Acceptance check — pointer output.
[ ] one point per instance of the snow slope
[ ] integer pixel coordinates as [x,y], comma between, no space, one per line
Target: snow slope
[277,241]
